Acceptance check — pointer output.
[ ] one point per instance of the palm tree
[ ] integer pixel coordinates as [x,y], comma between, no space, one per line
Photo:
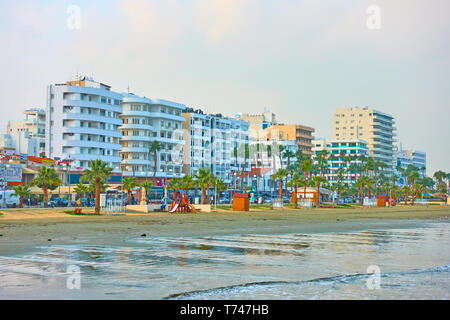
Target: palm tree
[21,192]
[202,180]
[288,154]
[306,168]
[211,181]
[221,186]
[147,185]
[97,173]
[280,174]
[300,156]
[406,190]
[440,176]
[47,179]
[297,180]
[80,189]
[413,176]
[361,183]
[174,184]
[318,180]
[186,183]
[129,183]
[155,148]
[280,154]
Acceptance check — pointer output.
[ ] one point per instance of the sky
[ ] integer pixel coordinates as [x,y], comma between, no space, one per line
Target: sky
[301,59]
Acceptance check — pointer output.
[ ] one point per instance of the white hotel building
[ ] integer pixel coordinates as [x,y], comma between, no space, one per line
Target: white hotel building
[349,147]
[145,121]
[82,122]
[211,142]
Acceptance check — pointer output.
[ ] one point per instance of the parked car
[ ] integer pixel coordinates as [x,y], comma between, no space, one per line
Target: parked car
[11,201]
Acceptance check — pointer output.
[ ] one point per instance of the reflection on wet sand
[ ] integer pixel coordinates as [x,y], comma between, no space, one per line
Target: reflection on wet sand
[269,266]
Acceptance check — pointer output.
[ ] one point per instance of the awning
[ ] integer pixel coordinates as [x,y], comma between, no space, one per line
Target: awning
[29,171]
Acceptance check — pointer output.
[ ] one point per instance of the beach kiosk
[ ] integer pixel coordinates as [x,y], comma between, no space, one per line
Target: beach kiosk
[241,202]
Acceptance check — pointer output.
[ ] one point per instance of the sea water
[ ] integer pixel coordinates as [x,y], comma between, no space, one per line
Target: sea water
[414,263]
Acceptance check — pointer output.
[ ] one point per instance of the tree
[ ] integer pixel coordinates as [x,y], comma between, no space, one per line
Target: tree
[174,184]
[202,179]
[318,180]
[186,183]
[47,179]
[97,173]
[440,176]
[361,183]
[413,176]
[221,186]
[406,190]
[147,185]
[155,148]
[21,192]
[80,189]
[129,183]
[297,180]
[306,168]
[280,175]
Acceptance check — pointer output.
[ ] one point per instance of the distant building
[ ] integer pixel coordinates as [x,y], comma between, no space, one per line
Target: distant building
[302,135]
[29,134]
[215,142]
[7,146]
[258,122]
[414,157]
[145,121]
[82,122]
[350,147]
[373,126]
[266,157]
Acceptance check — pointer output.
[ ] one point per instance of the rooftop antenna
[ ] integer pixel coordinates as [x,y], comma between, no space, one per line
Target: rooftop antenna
[128,88]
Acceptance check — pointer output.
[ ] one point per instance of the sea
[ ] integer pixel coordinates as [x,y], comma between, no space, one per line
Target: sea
[397,263]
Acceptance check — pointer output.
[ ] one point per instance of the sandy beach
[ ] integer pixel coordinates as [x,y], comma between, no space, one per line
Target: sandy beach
[22,229]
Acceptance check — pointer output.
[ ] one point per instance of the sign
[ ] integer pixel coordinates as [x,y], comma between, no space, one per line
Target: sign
[23,157]
[3,183]
[11,172]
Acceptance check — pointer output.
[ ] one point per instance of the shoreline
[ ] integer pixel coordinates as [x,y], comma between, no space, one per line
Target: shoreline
[23,229]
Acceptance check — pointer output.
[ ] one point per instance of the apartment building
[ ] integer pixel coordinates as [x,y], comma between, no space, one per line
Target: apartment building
[373,126]
[266,157]
[258,122]
[335,148]
[29,134]
[302,135]
[82,121]
[414,157]
[145,121]
[215,142]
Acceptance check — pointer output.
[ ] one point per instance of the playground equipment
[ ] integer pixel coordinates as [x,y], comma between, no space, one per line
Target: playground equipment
[180,202]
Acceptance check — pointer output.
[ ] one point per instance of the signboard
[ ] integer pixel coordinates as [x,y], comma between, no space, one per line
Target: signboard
[11,172]
[23,157]
[2,183]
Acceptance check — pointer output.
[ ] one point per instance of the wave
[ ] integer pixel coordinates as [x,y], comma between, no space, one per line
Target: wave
[347,278]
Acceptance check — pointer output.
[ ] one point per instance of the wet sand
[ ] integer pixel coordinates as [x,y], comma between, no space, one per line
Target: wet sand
[23,229]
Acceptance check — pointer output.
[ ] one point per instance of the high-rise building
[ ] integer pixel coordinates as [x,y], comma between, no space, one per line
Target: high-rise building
[215,142]
[82,122]
[373,126]
[32,127]
[302,135]
[145,121]
[341,154]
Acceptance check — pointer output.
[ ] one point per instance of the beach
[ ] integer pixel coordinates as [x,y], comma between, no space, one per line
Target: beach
[21,229]
[173,254]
